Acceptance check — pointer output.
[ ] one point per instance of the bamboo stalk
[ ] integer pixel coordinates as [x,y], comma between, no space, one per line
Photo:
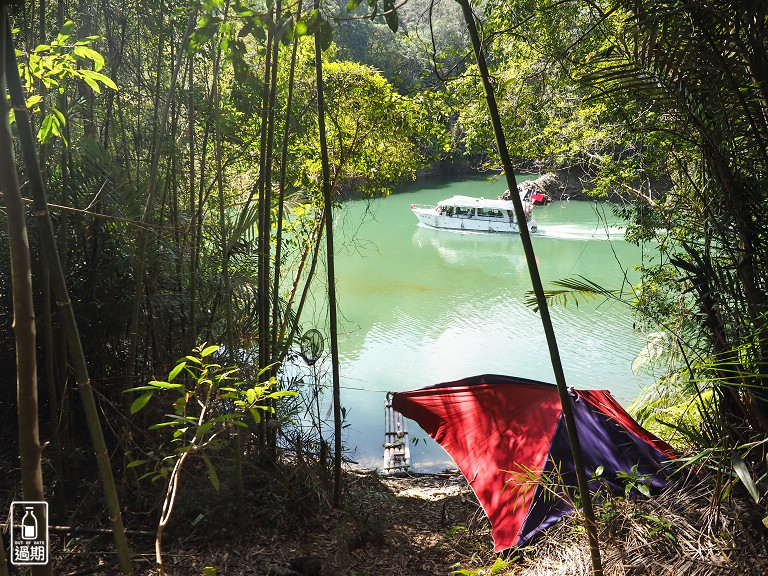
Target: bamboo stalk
[48,244]
[193,230]
[263,227]
[332,319]
[313,245]
[281,197]
[141,251]
[533,269]
[50,386]
[30,450]
[226,277]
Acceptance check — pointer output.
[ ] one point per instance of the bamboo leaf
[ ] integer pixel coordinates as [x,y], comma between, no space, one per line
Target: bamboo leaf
[163,425]
[281,394]
[33,101]
[203,429]
[643,489]
[88,40]
[66,31]
[103,78]
[325,35]
[46,128]
[140,402]
[139,389]
[574,288]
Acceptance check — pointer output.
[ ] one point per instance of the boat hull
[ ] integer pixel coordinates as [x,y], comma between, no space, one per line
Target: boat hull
[430,217]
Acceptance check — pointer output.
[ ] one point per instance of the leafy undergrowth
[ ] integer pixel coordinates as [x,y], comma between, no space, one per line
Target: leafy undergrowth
[421,525]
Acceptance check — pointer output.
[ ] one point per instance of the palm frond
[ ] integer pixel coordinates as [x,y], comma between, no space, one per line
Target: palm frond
[573,289]
[694,64]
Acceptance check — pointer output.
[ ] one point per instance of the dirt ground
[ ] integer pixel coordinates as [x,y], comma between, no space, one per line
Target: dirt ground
[414,525]
[409,526]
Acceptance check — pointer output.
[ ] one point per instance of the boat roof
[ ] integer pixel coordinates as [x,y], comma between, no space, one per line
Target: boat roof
[472,202]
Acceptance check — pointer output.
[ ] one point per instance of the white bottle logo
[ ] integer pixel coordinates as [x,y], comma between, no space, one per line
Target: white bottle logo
[29,524]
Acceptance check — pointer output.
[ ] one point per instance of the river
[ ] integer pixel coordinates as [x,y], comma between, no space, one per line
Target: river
[419,306]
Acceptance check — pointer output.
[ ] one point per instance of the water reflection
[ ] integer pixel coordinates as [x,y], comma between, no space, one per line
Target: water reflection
[462,248]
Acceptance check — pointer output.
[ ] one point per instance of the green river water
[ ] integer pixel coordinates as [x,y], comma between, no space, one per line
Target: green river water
[419,306]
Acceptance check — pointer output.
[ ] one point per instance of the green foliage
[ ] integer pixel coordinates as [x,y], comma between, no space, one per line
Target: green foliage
[633,480]
[63,60]
[660,526]
[679,404]
[455,530]
[374,133]
[742,472]
[658,100]
[522,480]
[498,567]
[408,56]
[206,399]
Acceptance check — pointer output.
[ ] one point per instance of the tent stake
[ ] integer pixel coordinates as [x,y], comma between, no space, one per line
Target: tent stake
[538,289]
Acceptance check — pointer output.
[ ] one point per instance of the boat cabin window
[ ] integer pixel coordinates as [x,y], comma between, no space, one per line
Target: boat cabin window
[489,212]
[464,212]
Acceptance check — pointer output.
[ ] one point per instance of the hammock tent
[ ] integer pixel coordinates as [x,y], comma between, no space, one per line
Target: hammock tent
[507,433]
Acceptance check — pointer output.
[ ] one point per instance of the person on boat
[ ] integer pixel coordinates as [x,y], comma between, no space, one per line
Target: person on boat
[528,208]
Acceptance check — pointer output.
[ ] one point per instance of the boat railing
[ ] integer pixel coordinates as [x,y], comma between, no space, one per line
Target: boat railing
[423,206]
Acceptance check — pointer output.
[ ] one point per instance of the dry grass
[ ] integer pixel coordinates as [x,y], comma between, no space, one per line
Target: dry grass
[682,531]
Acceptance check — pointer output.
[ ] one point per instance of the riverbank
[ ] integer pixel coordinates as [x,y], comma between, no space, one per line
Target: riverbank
[432,525]
[564,183]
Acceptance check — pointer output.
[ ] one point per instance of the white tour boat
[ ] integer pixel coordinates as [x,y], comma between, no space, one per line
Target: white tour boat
[473,214]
